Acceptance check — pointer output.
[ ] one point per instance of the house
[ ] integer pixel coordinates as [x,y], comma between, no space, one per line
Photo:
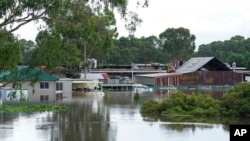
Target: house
[43,90]
[195,71]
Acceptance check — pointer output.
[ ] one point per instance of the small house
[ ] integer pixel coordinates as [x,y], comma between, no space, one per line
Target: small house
[44,88]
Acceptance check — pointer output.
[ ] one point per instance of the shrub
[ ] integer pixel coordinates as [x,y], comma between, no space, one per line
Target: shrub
[236,102]
[150,107]
[183,104]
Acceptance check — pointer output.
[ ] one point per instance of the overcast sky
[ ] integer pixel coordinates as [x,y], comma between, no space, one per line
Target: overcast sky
[208,20]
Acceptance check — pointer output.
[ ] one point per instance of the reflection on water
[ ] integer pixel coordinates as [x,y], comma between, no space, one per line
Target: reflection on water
[89,119]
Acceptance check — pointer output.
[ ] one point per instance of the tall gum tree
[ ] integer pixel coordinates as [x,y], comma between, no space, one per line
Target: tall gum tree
[179,42]
[16,13]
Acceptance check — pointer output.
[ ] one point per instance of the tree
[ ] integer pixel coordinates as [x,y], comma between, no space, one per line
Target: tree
[236,49]
[236,101]
[16,13]
[52,52]
[87,23]
[27,48]
[178,42]
[78,25]
[10,52]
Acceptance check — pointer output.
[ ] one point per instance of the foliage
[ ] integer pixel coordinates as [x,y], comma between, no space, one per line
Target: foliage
[150,107]
[16,13]
[106,97]
[78,23]
[236,49]
[183,104]
[179,42]
[236,102]
[52,52]
[27,48]
[130,49]
[10,52]
[32,108]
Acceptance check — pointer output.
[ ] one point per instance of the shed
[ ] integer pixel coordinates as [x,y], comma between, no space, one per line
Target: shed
[195,71]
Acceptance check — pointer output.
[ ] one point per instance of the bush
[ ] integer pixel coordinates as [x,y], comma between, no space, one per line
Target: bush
[183,104]
[236,102]
[150,107]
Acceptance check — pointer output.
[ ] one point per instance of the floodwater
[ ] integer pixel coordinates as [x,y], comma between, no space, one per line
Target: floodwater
[91,117]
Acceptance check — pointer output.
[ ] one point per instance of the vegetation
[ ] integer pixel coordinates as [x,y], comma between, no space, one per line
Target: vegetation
[153,49]
[106,97]
[73,30]
[235,103]
[32,108]
[77,30]
[184,105]
[178,42]
[236,49]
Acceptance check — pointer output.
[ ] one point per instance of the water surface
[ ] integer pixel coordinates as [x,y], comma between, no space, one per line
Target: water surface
[91,118]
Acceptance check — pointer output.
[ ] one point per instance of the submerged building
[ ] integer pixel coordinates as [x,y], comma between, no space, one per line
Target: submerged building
[194,72]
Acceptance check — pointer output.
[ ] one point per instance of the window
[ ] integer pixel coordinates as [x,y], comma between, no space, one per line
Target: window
[44,85]
[59,86]
[59,96]
[44,98]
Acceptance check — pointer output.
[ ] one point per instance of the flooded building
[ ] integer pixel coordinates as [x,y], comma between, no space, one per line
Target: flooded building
[43,90]
[195,71]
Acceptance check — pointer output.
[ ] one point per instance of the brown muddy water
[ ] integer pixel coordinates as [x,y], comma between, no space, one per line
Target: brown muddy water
[90,117]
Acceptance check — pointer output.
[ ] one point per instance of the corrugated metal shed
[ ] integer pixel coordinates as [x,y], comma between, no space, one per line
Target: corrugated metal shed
[202,63]
[196,71]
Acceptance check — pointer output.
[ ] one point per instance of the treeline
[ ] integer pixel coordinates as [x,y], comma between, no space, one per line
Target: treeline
[165,50]
[236,49]
[170,45]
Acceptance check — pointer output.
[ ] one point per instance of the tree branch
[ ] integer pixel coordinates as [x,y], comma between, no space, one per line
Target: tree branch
[25,20]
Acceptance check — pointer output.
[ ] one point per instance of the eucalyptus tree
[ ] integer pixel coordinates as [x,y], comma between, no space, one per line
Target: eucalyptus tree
[86,23]
[10,52]
[27,48]
[52,52]
[16,13]
[179,42]
[236,49]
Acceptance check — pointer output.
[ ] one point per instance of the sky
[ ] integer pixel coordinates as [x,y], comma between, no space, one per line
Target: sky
[208,20]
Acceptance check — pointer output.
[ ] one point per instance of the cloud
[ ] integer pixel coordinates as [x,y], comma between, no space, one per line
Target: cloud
[208,20]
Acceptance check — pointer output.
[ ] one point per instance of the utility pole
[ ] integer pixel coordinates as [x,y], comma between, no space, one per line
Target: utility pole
[85,62]
[132,69]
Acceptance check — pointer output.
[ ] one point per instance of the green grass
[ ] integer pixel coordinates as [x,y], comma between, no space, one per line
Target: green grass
[32,108]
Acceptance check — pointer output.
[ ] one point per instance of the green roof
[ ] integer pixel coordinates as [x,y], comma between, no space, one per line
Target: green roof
[26,74]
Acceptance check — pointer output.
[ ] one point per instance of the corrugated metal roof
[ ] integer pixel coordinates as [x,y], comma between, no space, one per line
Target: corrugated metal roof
[158,74]
[194,64]
[92,76]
